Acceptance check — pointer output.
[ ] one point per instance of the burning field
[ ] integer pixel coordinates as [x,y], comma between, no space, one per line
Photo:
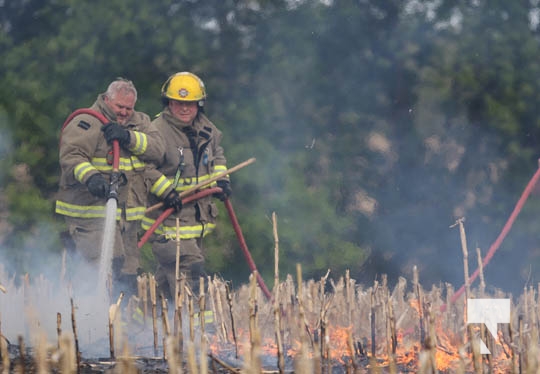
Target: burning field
[314,326]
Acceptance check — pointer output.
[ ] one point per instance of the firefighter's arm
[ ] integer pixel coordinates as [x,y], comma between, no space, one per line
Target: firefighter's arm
[160,185]
[164,189]
[220,165]
[220,162]
[146,142]
[78,143]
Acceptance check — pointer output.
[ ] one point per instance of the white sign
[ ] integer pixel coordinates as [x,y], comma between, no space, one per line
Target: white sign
[489,312]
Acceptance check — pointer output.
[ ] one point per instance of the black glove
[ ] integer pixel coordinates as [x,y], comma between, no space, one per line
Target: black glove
[173,200]
[226,189]
[98,185]
[114,131]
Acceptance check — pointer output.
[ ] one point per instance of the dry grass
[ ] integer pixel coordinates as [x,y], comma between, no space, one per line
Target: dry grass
[309,326]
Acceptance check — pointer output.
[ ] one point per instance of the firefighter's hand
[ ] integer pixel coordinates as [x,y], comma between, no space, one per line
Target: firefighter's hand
[173,200]
[98,185]
[226,190]
[114,131]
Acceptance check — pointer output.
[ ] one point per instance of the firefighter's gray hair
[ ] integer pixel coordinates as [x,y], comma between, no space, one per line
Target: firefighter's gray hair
[121,85]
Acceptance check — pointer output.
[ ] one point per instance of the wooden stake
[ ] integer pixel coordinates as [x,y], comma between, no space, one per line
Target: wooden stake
[476,356]
[303,363]
[230,303]
[223,330]
[192,362]
[213,305]
[202,307]
[255,336]
[191,318]
[179,308]
[277,309]
[203,357]
[74,327]
[177,276]
[58,327]
[323,318]
[477,359]
[481,269]
[521,343]
[153,300]
[465,251]
[392,327]
[373,322]
[165,321]
[348,296]
[420,300]
[512,345]
[431,342]
[113,311]
[142,288]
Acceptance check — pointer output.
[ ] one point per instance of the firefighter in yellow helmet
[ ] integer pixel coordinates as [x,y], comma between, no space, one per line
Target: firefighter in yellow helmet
[193,154]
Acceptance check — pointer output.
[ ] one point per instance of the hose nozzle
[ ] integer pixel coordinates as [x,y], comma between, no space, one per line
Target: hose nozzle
[117,179]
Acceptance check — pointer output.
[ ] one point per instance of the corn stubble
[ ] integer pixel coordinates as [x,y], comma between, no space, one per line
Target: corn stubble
[330,325]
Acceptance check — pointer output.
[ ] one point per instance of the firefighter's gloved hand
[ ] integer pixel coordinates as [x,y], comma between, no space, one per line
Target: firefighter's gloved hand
[226,190]
[98,185]
[173,200]
[114,131]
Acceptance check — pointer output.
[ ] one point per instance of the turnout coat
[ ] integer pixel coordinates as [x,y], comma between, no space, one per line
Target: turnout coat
[85,152]
[193,154]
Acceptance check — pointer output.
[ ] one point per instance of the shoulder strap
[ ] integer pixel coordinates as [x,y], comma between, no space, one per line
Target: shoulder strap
[92,112]
[104,120]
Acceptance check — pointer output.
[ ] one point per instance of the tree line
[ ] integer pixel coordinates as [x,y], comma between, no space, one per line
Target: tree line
[375,125]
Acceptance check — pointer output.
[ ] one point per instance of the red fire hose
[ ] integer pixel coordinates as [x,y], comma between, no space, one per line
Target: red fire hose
[506,228]
[234,221]
[113,193]
[168,212]
[244,248]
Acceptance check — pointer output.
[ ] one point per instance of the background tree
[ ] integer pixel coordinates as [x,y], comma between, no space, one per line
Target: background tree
[375,124]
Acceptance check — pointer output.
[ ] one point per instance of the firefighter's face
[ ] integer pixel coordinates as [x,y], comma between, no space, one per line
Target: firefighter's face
[185,111]
[122,104]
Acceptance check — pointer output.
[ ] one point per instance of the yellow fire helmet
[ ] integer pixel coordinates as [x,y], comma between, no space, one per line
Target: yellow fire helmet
[184,86]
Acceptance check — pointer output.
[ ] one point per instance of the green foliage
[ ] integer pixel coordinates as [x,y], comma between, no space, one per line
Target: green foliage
[423,111]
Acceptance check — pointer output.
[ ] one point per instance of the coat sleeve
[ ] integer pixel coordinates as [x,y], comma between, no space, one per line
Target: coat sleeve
[220,162]
[160,185]
[79,140]
[146,142]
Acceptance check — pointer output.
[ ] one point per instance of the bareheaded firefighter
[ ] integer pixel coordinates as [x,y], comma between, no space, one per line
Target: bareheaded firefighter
[86,162]
[193,154]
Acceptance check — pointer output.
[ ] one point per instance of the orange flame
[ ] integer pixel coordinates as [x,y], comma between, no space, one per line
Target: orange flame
[450,351]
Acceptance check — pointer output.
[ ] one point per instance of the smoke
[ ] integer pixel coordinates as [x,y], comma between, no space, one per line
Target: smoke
[34,307]
[52,290]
